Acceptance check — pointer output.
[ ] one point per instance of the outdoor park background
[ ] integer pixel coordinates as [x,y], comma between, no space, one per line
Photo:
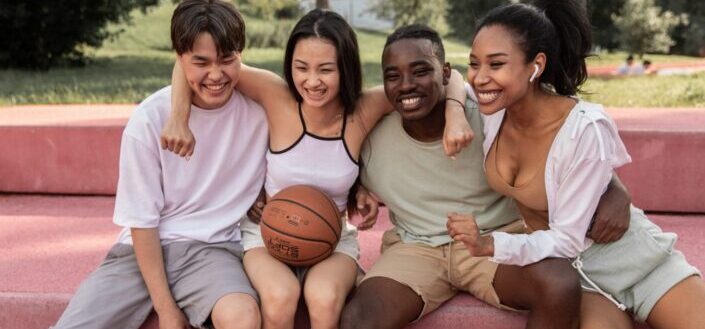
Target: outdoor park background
[59,162]
[137,61]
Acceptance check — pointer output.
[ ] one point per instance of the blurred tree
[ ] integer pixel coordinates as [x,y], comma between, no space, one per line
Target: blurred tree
[464,14]
[605,34]
[690,38]
[645,27]
[38,34]
[270,9]
[404,12]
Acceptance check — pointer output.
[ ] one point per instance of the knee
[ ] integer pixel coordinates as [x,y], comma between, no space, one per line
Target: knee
[241,313]
[279,301]
[557,286]
[324,298]
[355,316]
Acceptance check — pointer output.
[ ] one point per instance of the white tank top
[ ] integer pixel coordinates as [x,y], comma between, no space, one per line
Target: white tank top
[321,162]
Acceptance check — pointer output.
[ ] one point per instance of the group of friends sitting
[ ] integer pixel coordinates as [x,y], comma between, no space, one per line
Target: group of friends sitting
[501,186]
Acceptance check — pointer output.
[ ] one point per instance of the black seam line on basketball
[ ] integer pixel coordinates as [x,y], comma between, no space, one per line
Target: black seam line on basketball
[340,222]
[313,212]
[287,234]
[330,247]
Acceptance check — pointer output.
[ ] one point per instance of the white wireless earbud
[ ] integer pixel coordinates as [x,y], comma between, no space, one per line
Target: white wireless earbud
[536,72]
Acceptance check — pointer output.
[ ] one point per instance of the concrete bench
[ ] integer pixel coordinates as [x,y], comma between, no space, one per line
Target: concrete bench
[49,244]
[75,150]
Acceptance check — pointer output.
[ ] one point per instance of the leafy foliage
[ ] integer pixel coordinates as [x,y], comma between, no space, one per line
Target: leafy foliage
[464,14]
[646,27]
[690,38]
[38,34]
[270,9]
[404,12]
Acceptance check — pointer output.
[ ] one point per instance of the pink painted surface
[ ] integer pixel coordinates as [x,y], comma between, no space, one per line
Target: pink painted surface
[49,244]
[74,149]
[608,70]
[70,149]
[667,146]
[66,115]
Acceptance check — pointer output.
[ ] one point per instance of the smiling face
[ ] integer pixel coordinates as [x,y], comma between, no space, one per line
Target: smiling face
[315,72]
[414,78]
[210,76]
[498,71]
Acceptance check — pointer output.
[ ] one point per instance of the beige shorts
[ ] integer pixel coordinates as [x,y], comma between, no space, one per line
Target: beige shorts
[438,273]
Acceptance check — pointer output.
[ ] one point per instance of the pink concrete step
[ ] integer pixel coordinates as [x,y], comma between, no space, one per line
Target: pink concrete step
[49,244]
[667,146]
[74,150]
[67,149]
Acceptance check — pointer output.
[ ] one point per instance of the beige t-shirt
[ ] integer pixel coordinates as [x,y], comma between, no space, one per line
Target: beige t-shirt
[420,185]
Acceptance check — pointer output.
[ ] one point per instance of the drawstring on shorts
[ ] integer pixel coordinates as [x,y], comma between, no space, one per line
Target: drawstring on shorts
[578,265]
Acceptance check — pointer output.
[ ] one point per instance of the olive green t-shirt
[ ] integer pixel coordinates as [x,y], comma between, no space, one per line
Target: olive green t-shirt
[420,185]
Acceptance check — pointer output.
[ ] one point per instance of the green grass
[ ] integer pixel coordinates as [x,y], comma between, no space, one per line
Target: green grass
[138,62]
[648,91]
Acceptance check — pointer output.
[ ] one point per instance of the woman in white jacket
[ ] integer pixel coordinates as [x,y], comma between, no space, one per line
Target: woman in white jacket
[555,154]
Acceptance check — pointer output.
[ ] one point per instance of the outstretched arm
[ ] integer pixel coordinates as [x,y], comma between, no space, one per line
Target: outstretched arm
[260,85]
[148,251]
[374,105]
[176,135]
[457,133]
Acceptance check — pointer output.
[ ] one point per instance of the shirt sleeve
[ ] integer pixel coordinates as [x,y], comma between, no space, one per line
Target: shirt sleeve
[578,194]
[139,198]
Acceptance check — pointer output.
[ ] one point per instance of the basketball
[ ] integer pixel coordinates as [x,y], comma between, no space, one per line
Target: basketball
[300,225]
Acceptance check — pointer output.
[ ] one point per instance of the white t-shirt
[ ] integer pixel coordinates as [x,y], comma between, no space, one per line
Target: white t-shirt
[202,199]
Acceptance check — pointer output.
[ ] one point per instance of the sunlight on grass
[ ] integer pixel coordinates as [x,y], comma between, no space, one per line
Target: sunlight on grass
[138,62]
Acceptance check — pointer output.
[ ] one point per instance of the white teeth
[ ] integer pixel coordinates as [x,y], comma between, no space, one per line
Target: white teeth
[217,87]
[316,92]
[486,97]
[410,101]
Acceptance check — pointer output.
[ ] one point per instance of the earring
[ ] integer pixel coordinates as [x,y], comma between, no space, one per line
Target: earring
[536,72]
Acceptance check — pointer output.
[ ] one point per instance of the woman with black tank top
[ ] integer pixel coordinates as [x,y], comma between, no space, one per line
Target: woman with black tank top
[318,119]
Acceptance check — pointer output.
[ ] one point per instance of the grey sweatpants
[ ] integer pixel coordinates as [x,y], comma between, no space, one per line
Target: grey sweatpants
[115,295]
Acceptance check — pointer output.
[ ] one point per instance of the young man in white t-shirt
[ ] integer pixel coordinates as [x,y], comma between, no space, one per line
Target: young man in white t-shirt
[179,252]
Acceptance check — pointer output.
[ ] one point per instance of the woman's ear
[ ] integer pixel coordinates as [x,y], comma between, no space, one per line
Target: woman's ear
[539,65]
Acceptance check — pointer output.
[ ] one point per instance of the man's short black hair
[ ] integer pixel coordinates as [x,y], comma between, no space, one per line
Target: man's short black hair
[419,31]
[218,18]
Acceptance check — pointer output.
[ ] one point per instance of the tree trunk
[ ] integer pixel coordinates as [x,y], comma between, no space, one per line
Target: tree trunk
[322,4]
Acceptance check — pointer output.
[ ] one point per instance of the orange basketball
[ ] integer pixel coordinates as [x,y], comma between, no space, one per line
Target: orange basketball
[300,225]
